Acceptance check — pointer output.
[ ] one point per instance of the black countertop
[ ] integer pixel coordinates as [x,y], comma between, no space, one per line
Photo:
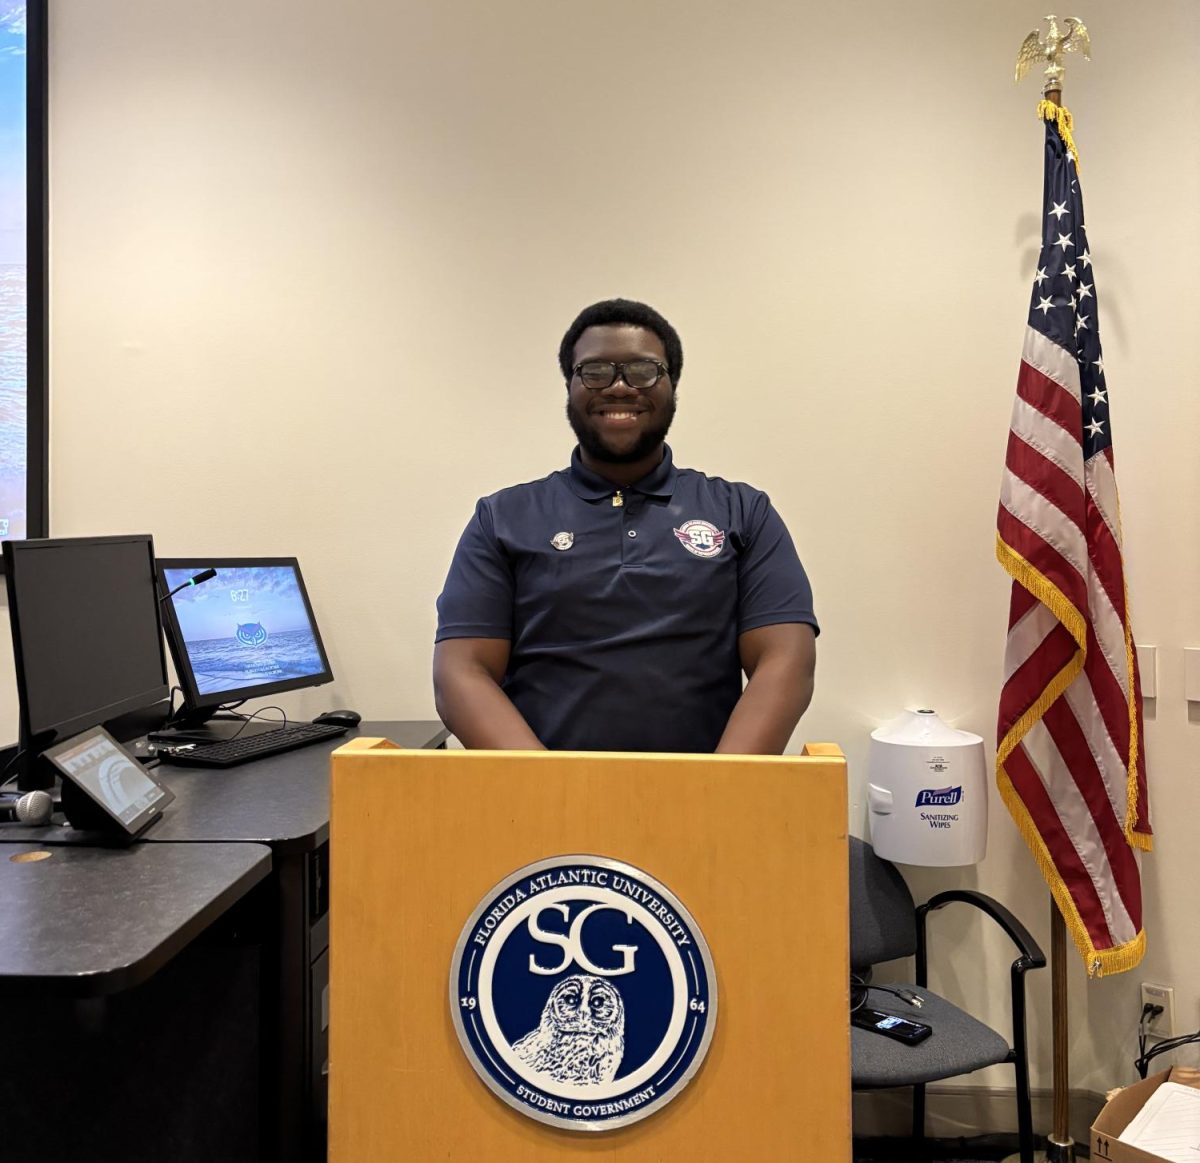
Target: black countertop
[282,800]
[90,921]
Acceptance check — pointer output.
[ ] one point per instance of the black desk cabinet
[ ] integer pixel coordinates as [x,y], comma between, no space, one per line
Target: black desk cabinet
[284,802]
[131,988]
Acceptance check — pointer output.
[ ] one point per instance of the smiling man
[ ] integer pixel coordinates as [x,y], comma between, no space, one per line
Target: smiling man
[615,605]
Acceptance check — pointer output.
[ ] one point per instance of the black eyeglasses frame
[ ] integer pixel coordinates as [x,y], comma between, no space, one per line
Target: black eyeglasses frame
[618,372]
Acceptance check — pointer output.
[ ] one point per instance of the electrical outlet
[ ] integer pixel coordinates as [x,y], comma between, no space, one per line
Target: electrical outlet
[1162,1026]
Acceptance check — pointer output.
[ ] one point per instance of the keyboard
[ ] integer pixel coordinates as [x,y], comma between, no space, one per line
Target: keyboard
[243,748]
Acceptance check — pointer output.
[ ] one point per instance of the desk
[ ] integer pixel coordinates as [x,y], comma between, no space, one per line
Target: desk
[283,803]
[91,921]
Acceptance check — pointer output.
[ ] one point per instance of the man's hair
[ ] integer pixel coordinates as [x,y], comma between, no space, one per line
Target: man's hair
[629,313]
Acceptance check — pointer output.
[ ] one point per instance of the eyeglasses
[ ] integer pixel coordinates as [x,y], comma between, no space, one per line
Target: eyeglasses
[641,374]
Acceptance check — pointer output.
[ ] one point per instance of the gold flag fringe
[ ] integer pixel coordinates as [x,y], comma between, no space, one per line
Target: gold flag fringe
[1141,840]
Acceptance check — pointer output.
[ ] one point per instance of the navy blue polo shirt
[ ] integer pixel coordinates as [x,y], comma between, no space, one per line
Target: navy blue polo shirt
[623,606]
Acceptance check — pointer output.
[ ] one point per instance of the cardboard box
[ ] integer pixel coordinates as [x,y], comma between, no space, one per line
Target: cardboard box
[1117,1114]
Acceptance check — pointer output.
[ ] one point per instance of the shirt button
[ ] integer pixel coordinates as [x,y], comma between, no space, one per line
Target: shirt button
[632,532]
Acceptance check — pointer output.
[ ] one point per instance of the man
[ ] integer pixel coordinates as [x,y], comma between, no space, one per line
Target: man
[613,606]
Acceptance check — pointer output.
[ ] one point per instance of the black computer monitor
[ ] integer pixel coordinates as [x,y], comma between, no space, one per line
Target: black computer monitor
[87,637]
[247,632]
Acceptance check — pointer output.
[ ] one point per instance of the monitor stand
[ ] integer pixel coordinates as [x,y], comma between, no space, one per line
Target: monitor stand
[194,727]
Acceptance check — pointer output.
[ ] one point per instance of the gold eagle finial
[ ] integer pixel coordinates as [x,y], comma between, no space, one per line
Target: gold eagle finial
[1052,48]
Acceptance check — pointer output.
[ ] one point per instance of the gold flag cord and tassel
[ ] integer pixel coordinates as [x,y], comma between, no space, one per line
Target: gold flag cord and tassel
[1061,116]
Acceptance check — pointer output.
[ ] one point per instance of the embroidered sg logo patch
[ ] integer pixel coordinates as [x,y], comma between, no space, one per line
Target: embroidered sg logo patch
[701,538]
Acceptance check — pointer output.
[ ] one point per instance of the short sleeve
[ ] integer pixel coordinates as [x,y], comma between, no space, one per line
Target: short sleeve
[477,599]
[772,584]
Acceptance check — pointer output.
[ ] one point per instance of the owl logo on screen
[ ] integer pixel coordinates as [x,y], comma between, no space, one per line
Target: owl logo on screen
[251,633]
[583,992]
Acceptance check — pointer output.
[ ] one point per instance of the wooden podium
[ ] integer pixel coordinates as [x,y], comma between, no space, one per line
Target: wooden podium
[754,847]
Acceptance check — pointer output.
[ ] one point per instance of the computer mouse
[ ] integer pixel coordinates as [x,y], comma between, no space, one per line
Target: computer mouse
[341,718]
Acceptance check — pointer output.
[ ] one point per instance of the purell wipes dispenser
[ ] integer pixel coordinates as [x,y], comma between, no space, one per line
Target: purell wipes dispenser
[927,792]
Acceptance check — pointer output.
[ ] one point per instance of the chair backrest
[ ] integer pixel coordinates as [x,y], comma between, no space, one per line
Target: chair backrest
[882,915]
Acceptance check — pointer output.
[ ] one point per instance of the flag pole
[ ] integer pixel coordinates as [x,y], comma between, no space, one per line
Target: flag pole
[1060,1147]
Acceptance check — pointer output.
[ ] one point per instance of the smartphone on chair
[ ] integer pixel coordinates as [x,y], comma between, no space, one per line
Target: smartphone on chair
[891,1025]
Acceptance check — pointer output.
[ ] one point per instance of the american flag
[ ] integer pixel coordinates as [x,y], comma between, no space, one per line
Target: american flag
[1070,761]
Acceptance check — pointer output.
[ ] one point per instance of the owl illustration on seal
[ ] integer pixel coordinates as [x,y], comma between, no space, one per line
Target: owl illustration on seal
[581,1037]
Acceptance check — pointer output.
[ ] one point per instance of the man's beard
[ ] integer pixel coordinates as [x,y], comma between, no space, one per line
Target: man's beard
[593,443]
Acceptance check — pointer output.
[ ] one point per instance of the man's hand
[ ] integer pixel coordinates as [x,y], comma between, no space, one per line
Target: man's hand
[466,689]
[780,662]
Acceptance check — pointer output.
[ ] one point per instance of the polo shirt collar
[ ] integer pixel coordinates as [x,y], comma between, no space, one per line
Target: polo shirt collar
[658,482]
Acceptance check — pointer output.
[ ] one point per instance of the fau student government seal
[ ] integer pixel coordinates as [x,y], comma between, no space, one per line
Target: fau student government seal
[583,993]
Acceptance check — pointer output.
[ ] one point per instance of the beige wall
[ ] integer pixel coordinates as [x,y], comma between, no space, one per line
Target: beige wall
[311,263]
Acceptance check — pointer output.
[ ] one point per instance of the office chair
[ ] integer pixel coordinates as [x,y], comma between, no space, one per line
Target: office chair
[885,925]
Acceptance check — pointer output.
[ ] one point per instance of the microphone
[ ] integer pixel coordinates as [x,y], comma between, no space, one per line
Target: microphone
[203,576]
[34,807]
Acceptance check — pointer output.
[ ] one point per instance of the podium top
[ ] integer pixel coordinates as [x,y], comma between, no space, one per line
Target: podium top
[821,751]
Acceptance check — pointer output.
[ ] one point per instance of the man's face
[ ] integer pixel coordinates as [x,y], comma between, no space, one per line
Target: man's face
[620,424]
